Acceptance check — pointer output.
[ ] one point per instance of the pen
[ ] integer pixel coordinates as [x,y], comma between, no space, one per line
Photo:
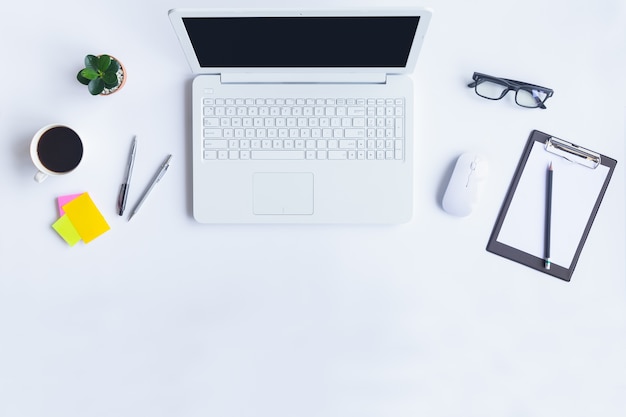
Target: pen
[546,247]
[123,195]
[157,178]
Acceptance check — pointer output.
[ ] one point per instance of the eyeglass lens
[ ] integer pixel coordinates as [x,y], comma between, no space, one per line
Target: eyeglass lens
[491,89]
[530,97]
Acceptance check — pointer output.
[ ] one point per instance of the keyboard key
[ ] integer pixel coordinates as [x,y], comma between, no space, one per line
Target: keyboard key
[211,122]
[347,144]
[212,133]
[356,111]
[216,144]
[354,133]
[295,154]
[358,122]
[337,154]
[399,125]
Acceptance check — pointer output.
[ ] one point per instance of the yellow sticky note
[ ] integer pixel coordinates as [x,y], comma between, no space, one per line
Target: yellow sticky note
[66,230]
[86,218]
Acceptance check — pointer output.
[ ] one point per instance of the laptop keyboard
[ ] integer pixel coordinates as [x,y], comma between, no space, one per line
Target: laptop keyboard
[305,128]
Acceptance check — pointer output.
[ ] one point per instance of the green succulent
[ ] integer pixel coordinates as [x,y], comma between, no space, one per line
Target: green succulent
[100,72]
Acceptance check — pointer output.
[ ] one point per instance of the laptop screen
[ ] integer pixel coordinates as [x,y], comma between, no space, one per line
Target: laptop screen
[302,42]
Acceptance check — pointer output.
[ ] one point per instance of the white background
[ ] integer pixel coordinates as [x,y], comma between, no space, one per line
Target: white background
[165,317]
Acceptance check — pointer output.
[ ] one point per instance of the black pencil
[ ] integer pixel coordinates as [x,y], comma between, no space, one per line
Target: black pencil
[546,249]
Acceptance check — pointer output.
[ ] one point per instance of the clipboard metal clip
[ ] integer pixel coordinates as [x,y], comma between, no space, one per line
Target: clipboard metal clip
[573,153]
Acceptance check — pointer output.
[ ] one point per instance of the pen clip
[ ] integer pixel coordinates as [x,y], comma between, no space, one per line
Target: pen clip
[164,168]
[163,171]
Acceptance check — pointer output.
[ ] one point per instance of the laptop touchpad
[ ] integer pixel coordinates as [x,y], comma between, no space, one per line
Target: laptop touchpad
[283,193]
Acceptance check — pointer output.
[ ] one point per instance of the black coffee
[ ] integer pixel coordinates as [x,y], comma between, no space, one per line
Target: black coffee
[60,149]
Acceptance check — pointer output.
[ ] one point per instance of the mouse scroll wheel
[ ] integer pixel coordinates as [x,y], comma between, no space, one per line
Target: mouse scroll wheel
[473,166]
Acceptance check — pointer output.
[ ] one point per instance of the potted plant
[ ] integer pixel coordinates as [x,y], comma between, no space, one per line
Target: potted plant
[103,74]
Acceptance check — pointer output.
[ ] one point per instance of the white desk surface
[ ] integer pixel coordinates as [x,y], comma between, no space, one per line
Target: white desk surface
[165,317]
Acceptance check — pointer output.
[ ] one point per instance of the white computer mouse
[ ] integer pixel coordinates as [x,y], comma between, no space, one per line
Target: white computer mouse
[466,183]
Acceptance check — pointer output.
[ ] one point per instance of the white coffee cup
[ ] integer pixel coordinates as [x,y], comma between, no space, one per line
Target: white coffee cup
[55,150]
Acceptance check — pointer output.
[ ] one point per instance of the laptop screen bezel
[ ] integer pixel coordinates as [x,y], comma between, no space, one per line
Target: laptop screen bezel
[177,17]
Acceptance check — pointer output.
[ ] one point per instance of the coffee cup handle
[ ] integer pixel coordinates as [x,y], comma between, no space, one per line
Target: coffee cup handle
[40,176]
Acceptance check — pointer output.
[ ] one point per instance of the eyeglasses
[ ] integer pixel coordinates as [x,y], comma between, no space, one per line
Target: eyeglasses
[494,88]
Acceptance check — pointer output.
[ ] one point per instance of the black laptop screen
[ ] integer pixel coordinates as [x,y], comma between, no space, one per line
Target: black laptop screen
[302,42]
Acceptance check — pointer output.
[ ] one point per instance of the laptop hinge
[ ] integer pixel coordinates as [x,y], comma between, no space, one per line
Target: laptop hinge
[304,78]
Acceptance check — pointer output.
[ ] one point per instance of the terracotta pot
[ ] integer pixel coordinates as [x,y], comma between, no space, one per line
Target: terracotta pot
[121,77]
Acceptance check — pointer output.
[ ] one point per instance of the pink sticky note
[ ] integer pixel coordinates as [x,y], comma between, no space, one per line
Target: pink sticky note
[63,200]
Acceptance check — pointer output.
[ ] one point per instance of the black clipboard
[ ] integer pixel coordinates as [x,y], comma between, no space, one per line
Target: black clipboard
[581,177]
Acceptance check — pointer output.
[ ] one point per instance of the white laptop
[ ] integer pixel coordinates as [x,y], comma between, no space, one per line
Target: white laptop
[302,116]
